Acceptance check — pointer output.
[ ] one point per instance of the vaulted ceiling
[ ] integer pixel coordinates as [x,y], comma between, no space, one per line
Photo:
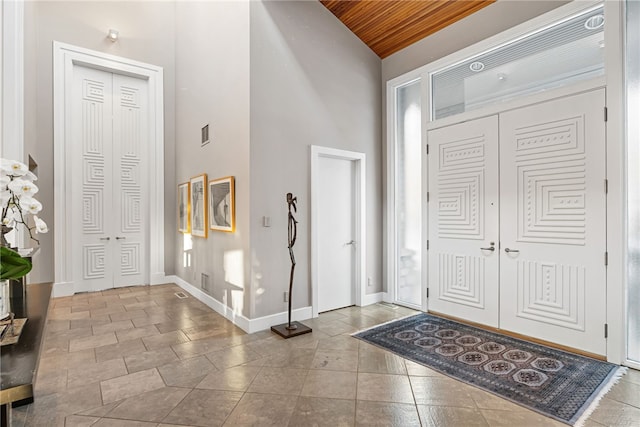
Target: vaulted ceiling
[387,26]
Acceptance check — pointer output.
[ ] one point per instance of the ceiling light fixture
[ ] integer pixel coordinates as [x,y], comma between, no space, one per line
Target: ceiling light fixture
[594,22]
[112,35]
[476,66]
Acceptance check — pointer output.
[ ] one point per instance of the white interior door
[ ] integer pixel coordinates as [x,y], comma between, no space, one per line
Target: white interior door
[108,132]
[463,220]
[553,212]
[336,233]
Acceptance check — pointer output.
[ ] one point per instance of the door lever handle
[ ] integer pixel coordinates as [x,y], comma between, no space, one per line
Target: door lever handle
[489,249]
[120,238]
[352,242]
[105,238]
[507,250]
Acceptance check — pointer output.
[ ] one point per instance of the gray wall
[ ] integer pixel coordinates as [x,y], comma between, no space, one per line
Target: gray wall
[147,33]
[212,87]
[312,83]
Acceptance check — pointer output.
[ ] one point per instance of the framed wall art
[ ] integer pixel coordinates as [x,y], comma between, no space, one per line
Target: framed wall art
[222,209]
[198,196]
[184,221]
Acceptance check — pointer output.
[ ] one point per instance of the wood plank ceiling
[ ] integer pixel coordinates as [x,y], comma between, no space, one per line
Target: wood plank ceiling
[387,26]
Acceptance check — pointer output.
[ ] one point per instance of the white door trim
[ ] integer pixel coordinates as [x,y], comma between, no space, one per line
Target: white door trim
[360,220]
[65,56]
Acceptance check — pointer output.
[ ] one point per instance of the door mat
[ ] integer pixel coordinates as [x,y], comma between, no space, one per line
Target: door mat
[560,385]
[9,336]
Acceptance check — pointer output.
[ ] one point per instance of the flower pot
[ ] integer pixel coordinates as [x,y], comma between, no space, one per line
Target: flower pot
[5,306]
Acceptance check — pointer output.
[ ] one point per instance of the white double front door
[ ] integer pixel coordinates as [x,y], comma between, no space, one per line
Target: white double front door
[108,179]
[517,221]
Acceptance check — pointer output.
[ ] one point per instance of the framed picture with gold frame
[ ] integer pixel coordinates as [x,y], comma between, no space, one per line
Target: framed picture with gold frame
[184,205]
[222,204]
[198,209]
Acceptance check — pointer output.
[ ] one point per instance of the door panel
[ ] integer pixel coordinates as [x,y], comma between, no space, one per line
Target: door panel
[129,122]
[463,219]
[336,231]
[92,178]
[553,211]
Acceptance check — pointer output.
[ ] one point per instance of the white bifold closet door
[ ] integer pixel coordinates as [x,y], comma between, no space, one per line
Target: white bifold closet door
[538,267]
[108,130]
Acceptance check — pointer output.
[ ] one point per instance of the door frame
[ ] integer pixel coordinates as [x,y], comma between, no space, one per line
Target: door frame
[360,219]
[65,57]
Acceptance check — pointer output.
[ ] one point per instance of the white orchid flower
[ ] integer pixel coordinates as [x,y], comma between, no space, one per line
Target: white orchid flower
[13,167]
[22,187]
[41,226]
[8,221]
[30,205]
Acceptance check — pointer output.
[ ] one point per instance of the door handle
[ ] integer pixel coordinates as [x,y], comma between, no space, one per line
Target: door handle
[105,238]
[120,238]
[352,242]
[507,250]
[489,249]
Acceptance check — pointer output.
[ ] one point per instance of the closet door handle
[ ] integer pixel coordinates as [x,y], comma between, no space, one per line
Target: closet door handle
[120,238]
[489,249]
[105,238]
[507,250]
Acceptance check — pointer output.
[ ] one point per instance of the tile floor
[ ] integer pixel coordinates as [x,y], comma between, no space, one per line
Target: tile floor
[140,356]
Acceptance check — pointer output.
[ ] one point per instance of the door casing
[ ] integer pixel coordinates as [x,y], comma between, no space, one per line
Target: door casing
[65,57]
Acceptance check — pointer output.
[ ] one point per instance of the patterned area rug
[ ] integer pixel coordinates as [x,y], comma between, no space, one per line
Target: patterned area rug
[555,383]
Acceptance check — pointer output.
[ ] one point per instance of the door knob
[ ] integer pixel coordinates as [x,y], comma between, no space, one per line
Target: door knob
[507,250]
[352,242]
[120,238]
[105,238]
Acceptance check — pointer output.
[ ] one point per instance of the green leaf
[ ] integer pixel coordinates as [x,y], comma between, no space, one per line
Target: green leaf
[12,265]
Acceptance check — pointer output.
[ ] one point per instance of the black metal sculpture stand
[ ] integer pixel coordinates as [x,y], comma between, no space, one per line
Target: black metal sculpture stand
[291,329]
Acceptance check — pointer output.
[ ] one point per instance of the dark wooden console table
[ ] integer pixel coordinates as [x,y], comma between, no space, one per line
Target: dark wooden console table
[19,361]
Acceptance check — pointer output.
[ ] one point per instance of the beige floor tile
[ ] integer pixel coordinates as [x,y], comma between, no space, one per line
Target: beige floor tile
[384,388]
[336,360]
[444,416]
[63,361]
[130,385]
[340,342]
[112,327]
[100,411]
[149,359]
[417,370]
[128,315]
[298,358]
[175,325]
[436,391]
[524,418]
[151,406]
[613,413]
[101,312]
[80,421]
[262,410]
[150,319]
[186,373]
[386,414]
[88,323]
[626,392]
[314,411]
[632,376]
[57,326]
[204,408]
[97,372]
[237,378]
[232,356]
[279,381]
[164,340]
[135,333]
[186,349]
[109,422]
[71,401]
[118,350]
[52,381]
[330,384]
[92,341]
[381,362]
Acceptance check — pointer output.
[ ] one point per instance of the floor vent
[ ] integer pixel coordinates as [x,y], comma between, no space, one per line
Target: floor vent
[181,295]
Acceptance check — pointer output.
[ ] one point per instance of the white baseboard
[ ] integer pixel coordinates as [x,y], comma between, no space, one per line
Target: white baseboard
[248,325]
[62,289]
[372,298]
